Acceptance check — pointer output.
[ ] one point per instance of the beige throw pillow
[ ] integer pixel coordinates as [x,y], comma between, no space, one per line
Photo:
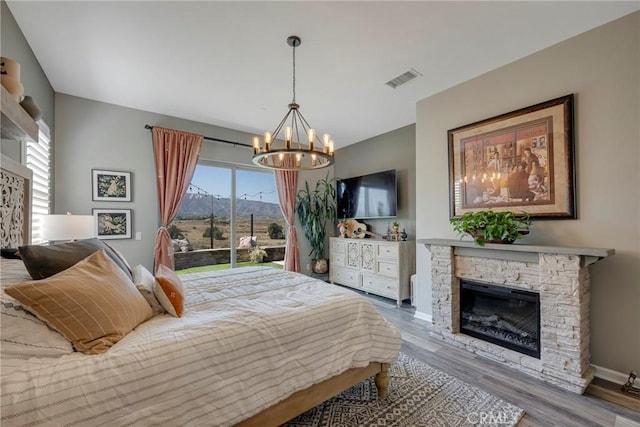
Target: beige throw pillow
[144,281]
[93,303]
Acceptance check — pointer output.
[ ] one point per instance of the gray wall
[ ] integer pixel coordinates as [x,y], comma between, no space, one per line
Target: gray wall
[602,68]
[96,135]
[392,150]
[13,45]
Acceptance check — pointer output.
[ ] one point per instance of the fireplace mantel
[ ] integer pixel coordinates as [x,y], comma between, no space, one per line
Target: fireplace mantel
[559,274]
[516,251]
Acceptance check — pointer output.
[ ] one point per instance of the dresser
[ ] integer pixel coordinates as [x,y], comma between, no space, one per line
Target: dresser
[374,266]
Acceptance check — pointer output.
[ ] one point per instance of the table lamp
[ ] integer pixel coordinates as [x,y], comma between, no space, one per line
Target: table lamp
[67,227]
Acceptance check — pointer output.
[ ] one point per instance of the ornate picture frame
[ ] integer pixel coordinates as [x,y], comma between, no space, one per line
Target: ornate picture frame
[522,161]
[112,223]
[111,186]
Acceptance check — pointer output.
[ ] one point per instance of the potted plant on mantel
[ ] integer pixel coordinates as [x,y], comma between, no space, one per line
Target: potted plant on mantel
[314,209]
[492,227]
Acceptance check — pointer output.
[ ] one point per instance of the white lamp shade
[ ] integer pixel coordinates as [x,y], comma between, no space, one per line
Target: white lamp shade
[67,227]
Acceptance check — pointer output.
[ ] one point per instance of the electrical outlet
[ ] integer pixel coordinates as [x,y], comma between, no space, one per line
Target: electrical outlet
[138,235]
[308,266]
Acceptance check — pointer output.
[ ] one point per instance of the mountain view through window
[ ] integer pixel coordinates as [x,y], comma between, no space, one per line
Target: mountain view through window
[207,220]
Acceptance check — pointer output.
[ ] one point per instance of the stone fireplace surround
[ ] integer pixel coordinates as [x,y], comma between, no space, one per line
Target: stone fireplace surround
[559,274]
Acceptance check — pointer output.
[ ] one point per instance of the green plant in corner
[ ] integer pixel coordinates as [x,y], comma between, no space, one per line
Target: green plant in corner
[314,208]
[492,227]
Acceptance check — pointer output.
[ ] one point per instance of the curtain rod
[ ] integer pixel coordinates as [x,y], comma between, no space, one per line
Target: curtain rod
[213,139]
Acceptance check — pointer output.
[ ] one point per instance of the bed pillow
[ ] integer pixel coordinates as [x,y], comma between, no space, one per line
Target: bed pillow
[144,281]
[122,260]
[23,335]
[12,271]
[10,253]
[45,261]
[169,291]
[93,304]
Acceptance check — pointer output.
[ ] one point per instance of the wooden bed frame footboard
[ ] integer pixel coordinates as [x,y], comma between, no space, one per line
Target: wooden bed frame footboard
[308,398]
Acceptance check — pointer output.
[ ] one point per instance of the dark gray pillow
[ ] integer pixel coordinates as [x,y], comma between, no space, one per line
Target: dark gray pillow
[44,261]
[10,253]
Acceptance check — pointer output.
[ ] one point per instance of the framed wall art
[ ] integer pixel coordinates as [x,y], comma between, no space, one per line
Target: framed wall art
[521,161]
[112,186]
[113,223]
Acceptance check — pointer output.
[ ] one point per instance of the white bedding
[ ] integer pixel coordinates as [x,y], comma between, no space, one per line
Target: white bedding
[249,338]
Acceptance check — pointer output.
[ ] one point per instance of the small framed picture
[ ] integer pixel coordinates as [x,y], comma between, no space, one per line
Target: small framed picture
[111,186]
[112,223]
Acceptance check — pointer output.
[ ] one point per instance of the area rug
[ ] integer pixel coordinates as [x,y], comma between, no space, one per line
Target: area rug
[418,396]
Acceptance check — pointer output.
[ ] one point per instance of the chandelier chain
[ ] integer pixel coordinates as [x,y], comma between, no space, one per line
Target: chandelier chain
[294,73]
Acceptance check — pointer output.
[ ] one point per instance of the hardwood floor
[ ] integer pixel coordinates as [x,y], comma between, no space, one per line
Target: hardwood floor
[544,404]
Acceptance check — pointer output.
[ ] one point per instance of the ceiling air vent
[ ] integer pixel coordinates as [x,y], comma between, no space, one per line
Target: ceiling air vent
[403,78]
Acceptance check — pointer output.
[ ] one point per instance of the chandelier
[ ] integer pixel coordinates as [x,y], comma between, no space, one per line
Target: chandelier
[300,148]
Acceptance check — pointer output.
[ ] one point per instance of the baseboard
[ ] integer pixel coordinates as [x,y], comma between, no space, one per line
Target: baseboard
[611,375]
[423,316]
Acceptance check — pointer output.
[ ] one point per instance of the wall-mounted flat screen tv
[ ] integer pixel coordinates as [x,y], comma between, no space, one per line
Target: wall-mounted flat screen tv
[368,196]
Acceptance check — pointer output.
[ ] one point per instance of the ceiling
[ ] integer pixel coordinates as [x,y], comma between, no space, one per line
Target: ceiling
[228,64]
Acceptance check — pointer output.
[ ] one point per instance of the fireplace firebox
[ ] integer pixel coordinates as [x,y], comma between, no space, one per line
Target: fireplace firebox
[504,316]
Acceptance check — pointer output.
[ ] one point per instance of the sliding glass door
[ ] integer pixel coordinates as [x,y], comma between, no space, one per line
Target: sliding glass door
[258,213]
[227,214]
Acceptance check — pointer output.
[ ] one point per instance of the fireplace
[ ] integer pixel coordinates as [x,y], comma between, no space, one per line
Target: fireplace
[504,316]
[557,275]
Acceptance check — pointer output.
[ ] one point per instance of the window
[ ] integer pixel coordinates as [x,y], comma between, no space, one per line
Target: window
[224,207]
[258,210]
[38,159]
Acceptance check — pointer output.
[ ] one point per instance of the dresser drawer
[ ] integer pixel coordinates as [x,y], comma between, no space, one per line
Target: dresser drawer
[338,245]
[337,259]
[388,268]
[346,276]
[387,251]
[380,285]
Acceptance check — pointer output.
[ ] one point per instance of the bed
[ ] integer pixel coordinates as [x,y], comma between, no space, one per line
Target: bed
[254,347]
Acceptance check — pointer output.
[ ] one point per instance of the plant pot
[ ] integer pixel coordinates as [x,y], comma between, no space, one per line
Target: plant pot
[320,266]
[32,109]
[477,235]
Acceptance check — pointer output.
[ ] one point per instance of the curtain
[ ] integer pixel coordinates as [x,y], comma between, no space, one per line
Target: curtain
[287,185]
[176,154]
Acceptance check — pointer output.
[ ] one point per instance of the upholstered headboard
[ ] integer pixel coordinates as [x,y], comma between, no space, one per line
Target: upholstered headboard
[16,183]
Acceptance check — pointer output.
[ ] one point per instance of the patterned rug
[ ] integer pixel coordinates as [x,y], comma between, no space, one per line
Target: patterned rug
[418,396]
